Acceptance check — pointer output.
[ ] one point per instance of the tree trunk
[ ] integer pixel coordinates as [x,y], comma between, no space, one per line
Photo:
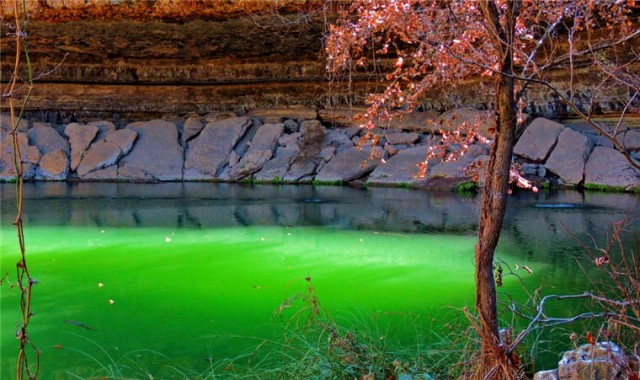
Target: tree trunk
[492,209]
[494,197]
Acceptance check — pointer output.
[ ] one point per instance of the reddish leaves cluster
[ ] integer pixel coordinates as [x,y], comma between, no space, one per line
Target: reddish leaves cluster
[433,44]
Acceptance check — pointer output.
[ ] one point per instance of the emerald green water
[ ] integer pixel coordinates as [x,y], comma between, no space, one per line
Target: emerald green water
[183,274]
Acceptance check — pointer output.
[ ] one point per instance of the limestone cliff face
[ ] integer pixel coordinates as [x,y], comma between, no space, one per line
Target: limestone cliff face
[130,59]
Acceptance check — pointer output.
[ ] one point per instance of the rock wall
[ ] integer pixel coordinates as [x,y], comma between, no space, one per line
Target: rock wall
[137,60]
[299,145]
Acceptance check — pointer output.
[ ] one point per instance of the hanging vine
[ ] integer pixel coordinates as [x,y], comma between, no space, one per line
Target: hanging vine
[25,367]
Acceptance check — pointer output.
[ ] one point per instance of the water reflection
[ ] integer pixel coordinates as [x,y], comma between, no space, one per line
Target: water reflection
[530,217]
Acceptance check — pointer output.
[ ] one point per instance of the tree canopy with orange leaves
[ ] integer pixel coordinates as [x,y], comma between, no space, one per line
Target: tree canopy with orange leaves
[513,44]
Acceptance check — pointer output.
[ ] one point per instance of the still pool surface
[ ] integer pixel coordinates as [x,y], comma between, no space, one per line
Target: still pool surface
[177,276]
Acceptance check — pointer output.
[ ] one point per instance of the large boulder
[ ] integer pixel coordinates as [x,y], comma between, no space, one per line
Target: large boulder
[308,159]
[276,168]
[80,137]
[609,167]
[302,167]
[604,360]
[351,164]
[5,123]
[47,139]
[340,139]
[632,140]
[106,174]
[458,169]
[100,155]
[313,134]
[570,156]
[124,138]
[54,166]
[192,126]
[157,154]
[263,144]
[401,168]
[104,127]
[208,153]
[30,156]
[538,139]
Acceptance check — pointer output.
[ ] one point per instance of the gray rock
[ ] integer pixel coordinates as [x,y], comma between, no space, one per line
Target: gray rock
[339,139]
[54,166]
[47,139]
[209,152]
[632,140]
[538,139]
[458,168]
[327,153]
[291,126]
[607,166]
[100,155]
[80,137]
[266,137]
[250,163]
[569,156]
[401,168]
[104,127]
[276,168]
[263,145]
[546,375]
[313,134]
[351,164]
[192,126]
[289,139]
[530,169]
[600,140]
[233,158]
[604,360]
[156,155]
[30,156]
[106,174]
[308,160]
[124,138]
[302,167]
[5,123]
[391,150]
[402,138]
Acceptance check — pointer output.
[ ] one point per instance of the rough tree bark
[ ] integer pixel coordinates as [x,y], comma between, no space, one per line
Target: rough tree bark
[493,203]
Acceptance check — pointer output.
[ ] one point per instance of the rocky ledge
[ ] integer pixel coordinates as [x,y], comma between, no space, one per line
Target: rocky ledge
[302,145]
